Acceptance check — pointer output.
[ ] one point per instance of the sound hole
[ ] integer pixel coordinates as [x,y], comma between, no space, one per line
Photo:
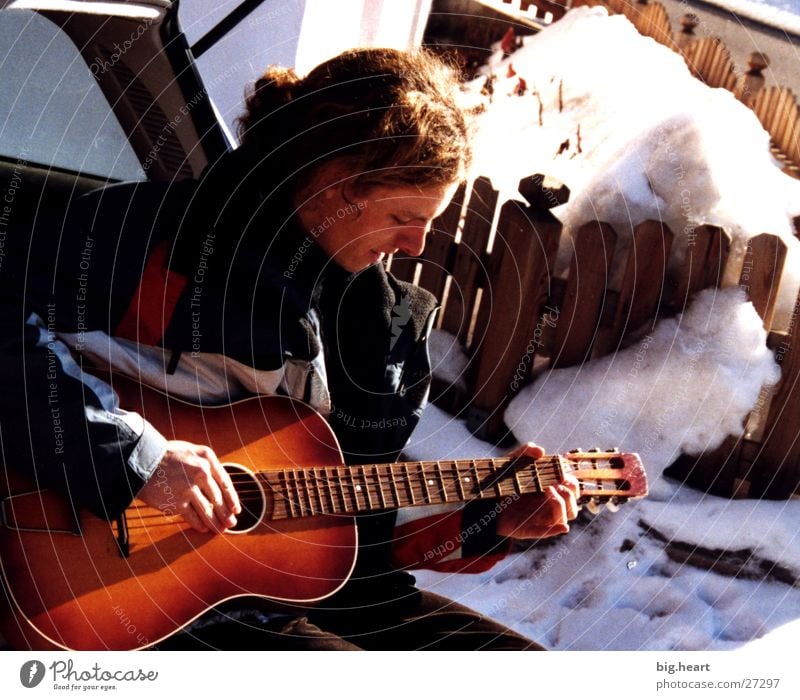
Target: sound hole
[251,498]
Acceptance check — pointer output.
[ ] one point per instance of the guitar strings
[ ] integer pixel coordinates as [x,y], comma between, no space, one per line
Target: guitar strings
[310,497]
[296,478]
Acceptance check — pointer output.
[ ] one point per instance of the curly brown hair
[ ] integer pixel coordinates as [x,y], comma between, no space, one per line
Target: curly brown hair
[391,116]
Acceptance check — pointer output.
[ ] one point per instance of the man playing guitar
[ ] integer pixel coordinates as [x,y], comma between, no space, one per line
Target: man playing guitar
[265,277]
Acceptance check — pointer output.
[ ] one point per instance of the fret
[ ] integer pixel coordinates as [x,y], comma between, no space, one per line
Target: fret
[393,485]
[426,494]
[356,487]
[559,467]
[330,489]
[327,485]
[318,490]
[379,486]
[477,478]
[287,496]
[459,486]
[537,480]
[366,488]
[495,480]
[296,491]
[517,482]
[307,489]
[438,468]
[342,493]
[409,483]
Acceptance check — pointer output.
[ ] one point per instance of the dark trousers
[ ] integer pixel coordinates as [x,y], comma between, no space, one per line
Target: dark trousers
[423,621]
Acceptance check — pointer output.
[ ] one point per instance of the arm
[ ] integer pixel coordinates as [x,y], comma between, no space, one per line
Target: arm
[64,429]
[472,538]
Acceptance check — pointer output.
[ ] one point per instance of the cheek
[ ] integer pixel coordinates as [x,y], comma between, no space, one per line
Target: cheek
[342,240]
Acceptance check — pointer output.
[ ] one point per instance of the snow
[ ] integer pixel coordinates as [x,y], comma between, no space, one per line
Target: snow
[633,139]
[451,363]
[682,388]
[608,586]
[650,138]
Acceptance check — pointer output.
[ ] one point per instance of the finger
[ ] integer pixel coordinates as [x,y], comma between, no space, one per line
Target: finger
[570,502]
[225,484]
[559,505]
[531,449]
[188,513]
[528,449]
[205,510]
[204,479]
[572,484]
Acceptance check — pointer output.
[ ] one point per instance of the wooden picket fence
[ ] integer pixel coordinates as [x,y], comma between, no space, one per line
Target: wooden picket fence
[710,61]
[515,318]
[512,315]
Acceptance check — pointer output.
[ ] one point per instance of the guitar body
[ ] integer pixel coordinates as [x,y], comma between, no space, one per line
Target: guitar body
[77,590]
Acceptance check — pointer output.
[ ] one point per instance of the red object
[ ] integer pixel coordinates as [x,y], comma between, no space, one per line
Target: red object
[509,41]
[151,308]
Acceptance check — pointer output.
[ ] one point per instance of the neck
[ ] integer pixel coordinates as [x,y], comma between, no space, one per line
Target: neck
[373,487]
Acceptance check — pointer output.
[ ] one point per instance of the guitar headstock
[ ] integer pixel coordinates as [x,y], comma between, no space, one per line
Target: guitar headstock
[609,477]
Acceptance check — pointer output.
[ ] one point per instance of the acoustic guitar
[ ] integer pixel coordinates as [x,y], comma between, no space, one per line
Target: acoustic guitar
[75,581]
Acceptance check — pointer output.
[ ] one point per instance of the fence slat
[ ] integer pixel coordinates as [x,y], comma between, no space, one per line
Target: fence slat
[786,123]
[469,259]
[778,115]
[761,274]
[703,264]
[403,267]
[643,282]
[579,320]
[439,247]
[524,251]
[655,23]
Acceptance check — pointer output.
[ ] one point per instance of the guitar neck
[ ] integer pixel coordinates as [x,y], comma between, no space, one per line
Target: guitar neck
[302,492]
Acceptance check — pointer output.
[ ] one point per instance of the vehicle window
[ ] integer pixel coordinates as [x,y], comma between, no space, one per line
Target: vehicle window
[52,111]
[297,33]
[268,35]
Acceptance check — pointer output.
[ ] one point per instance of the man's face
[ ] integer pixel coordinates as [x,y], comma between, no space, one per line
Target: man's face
[389,219]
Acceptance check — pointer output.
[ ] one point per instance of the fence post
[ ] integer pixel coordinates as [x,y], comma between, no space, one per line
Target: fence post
[753,79]
[775,472]
[686,35]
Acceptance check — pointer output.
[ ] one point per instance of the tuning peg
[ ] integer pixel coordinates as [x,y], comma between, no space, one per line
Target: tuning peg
[591,506]
[613,507]
[576,451]
[614,450]
[595,449]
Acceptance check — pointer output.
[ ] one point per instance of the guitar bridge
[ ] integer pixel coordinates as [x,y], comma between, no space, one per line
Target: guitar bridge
[121,538]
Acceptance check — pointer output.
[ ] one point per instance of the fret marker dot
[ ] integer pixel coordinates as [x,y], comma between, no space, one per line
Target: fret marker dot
[466,478]
[430,482]
[358,488]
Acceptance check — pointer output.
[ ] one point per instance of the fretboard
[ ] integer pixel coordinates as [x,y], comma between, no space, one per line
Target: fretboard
[302,492]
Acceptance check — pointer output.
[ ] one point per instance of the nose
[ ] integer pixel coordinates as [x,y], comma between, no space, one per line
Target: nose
[411,238]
